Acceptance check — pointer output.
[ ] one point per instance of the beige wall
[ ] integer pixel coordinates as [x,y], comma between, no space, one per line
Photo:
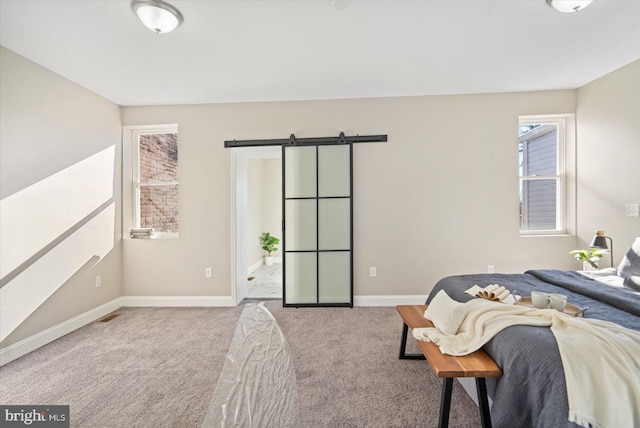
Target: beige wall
[608,116]
[59,163]
[439,198]
[272,200]
[264,196]
[255,203]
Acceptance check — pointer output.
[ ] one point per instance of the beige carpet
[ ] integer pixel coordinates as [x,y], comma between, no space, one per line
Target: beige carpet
[158,367]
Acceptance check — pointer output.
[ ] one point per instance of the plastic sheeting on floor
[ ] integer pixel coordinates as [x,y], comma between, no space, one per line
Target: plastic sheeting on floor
[257,385]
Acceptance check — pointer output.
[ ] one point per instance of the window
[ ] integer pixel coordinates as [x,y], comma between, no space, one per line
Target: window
[542,176]
[154,178]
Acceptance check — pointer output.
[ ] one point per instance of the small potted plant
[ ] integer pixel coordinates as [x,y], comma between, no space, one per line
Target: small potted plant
[589,258]
[269,243]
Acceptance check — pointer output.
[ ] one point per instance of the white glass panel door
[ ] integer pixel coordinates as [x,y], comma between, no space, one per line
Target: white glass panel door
[334,275]
[300,172]
[334,220]
[301,224]
[334,171]
[300,277]
[317,211]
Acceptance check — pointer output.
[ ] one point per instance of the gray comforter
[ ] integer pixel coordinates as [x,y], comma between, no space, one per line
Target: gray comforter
[532,391]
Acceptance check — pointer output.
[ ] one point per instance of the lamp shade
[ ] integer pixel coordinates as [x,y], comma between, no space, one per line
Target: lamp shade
[599,241]
[157,15]
[568,6]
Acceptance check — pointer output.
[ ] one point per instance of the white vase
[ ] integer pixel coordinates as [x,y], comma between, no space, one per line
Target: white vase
[268,260]
[586,266]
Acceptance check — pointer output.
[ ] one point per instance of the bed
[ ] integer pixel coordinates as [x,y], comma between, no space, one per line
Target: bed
[532,391]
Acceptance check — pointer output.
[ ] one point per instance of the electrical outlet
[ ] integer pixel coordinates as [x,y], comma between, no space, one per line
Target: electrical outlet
[98,281]
[208,272]
[633,210]
[372,271]
[491,269]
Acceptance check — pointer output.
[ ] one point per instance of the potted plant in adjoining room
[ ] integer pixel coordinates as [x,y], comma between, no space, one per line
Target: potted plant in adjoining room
[589,258]
[269,243]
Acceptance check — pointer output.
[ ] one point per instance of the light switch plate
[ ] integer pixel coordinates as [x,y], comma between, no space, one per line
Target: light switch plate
[633,210]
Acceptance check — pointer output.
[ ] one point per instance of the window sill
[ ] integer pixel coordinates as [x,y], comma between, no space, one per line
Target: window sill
[544,235]
[155,236]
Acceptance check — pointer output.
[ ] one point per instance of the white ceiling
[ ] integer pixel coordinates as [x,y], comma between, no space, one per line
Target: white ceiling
[263,50]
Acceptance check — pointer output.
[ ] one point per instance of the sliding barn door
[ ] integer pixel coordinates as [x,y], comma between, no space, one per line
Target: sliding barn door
[317,225]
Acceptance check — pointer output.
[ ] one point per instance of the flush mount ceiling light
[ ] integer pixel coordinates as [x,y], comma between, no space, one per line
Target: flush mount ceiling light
[157,15]
[568,6]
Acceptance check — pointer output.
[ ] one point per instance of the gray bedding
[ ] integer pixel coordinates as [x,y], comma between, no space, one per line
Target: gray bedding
[532,391]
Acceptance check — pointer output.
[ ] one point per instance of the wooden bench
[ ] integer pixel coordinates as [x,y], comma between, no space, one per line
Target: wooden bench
[478,364]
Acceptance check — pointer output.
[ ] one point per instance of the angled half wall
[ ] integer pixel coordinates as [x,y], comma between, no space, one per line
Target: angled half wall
[59,199]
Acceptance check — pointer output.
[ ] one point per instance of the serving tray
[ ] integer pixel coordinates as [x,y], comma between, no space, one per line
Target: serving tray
[570,309]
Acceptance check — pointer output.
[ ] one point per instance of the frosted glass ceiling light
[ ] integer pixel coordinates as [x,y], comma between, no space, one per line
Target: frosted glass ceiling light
[568,6]
[157,15]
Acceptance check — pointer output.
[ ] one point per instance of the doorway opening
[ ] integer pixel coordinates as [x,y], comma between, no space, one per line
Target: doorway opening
[318,197]
[257,207]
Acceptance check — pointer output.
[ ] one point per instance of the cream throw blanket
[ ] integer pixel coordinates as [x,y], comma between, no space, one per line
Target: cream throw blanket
[601,359]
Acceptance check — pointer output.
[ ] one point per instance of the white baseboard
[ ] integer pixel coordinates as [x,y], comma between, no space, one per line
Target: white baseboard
[254,266]
[176,301]
[34,342]
[389,300]
[260,262]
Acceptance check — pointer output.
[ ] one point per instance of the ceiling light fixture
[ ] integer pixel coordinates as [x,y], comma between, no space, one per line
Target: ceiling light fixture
[568,6]
[157,15]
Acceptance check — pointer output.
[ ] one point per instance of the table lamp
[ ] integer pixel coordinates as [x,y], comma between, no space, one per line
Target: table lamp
[600,241]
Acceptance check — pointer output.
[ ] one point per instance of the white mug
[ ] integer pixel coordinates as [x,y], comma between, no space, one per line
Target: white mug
[557,302]
[540,300]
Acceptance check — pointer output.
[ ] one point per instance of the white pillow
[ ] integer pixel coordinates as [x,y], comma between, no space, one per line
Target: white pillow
[630,264]
[445,313]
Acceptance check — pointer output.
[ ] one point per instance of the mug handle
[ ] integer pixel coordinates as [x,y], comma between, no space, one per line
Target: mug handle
[516,296]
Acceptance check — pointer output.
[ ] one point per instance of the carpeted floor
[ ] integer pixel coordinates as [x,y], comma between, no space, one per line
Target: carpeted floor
[158,367]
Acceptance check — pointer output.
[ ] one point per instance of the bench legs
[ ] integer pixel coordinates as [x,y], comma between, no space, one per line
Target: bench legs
[483,401]
[445,402]
[403,347]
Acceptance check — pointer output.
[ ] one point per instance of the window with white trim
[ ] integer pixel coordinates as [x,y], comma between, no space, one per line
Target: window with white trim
[155,179]
[542,174]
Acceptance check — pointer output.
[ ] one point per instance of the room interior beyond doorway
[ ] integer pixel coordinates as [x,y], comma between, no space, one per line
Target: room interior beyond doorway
[265,282]
[258,203]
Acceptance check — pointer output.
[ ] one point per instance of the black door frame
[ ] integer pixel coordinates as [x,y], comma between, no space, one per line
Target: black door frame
[317,251]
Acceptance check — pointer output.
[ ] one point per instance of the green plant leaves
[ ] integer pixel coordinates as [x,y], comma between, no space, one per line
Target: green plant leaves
[269,242]
[590,256]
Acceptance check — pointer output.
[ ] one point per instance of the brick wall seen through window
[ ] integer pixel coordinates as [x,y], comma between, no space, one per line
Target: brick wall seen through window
[158,182]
